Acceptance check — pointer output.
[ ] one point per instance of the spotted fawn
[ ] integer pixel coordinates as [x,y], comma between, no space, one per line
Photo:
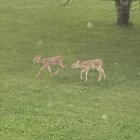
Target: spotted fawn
[85,66]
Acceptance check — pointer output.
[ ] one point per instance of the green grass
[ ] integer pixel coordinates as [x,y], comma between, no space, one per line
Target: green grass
[65,108]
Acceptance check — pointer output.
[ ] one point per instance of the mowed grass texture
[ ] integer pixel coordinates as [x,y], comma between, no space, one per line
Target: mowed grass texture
[64,107]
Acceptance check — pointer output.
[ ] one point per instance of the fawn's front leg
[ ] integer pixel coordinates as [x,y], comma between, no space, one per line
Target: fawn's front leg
[81,74]
[49,69]
[39,72]
[103,74]
[100,73]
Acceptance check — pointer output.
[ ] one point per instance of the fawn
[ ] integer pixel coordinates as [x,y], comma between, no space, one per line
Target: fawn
[47,62]
[85,66]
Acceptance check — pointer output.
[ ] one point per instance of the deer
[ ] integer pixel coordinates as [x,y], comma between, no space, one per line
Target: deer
[48,62]
[85,66]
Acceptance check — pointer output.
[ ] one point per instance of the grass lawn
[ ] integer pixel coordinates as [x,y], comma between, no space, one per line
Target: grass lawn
[64,107]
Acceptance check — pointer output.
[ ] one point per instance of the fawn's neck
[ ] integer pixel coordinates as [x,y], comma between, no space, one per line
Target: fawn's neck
[80,66]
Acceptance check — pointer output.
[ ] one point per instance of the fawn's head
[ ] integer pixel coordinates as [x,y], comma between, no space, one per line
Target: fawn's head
[36,59]
[75,65]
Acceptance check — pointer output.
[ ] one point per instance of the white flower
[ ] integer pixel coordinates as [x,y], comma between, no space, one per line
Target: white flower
[40,42]
[104,116]
[89,25]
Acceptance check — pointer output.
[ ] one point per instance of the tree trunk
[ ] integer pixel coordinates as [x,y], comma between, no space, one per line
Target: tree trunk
[123,9]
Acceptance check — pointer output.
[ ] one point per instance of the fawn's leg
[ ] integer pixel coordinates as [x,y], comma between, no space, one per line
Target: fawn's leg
[61,65]
[102,71]
[103,74]
[81,74]
[40,71]
[56,71]
[49,69]
[86,74]
[100,74]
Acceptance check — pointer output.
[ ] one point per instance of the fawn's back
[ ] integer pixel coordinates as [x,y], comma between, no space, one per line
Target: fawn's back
[91,64]
[54,60]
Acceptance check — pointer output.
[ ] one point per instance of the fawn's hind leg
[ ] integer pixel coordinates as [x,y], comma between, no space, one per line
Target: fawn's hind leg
[86,74]
[61,66]
[56,71]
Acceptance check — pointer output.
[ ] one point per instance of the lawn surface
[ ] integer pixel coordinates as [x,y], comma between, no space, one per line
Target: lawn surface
[64,107]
